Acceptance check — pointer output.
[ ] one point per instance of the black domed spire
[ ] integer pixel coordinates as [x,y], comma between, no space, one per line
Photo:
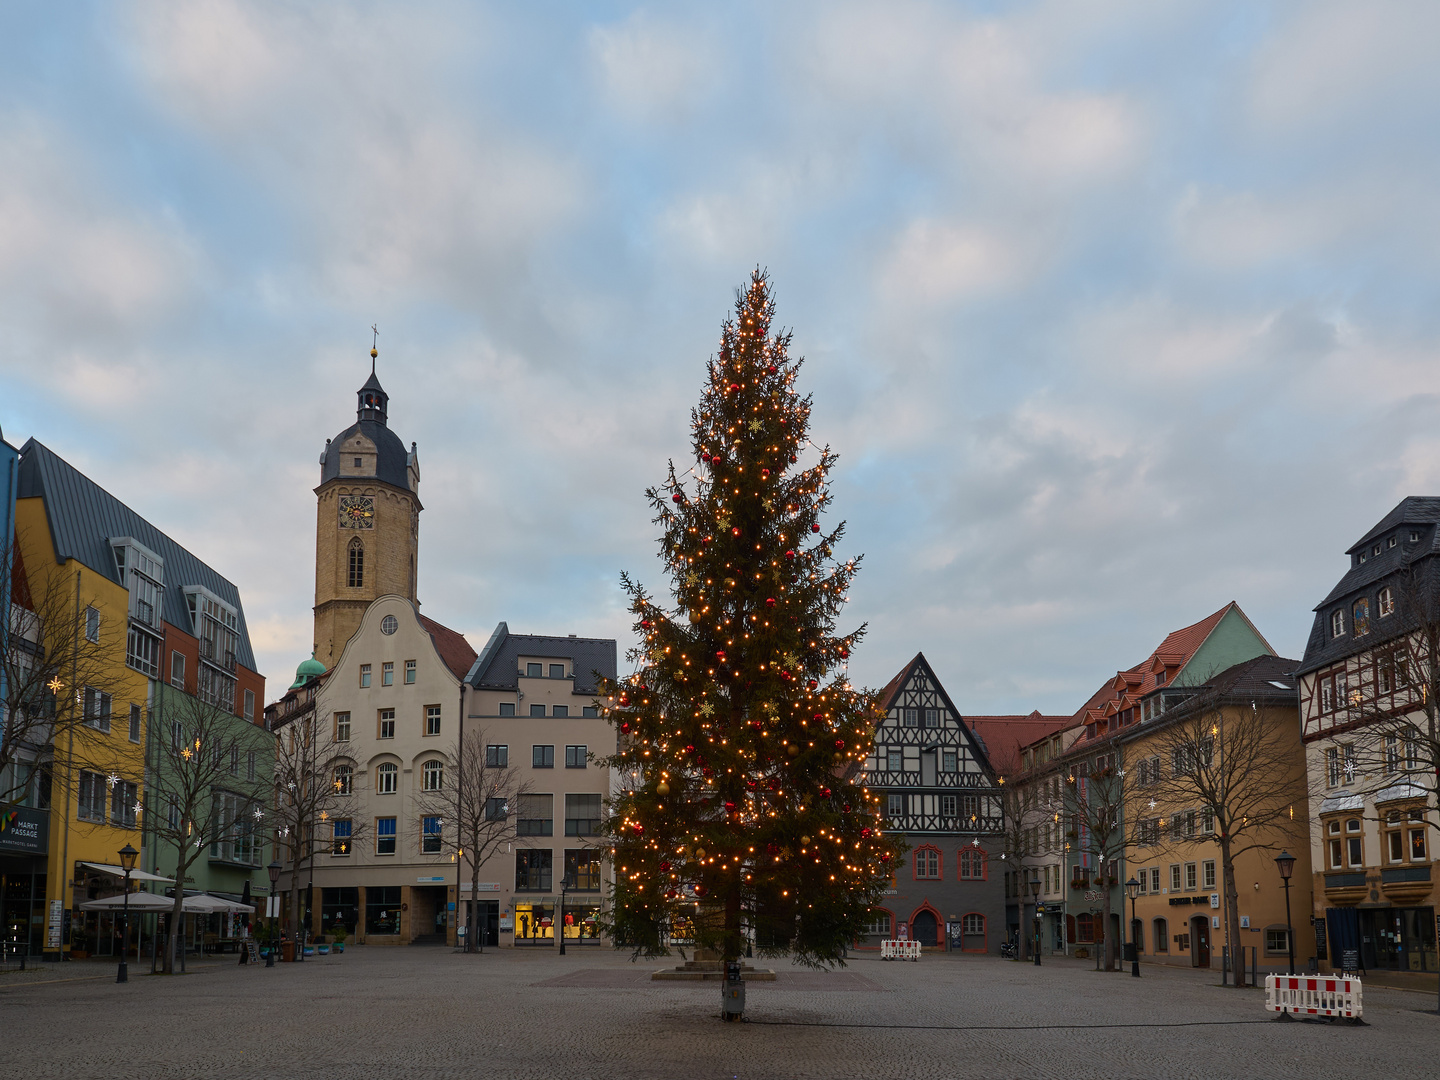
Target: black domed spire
[374,402]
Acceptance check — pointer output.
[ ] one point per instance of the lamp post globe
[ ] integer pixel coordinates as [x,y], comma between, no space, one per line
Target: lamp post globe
[1285,863]
[127,863]
[1132,889]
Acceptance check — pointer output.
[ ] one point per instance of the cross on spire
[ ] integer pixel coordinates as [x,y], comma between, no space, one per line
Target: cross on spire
[374,346]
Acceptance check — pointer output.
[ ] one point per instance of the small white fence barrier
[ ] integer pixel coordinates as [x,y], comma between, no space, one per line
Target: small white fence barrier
[1314,995]
[899,950]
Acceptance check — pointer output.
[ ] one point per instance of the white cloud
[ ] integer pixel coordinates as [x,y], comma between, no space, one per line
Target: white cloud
[653,70]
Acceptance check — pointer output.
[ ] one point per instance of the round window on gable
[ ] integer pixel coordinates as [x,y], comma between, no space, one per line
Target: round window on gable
[389,625]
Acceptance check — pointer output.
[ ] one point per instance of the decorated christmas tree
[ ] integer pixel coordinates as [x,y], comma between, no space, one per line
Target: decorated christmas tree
[742,818]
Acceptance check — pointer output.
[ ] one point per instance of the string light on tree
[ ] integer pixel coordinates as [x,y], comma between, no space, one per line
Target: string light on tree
[739,732]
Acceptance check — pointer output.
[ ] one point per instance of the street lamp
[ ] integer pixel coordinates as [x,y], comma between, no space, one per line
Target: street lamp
[1286,864]
[127,860]
[565,886]
[274,901]
[1035,894]
[1132,888]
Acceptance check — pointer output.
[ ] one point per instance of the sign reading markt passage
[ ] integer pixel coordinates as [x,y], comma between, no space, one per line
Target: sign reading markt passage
[24,829]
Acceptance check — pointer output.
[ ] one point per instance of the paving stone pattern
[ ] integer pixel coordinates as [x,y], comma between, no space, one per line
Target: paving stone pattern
[429,1014]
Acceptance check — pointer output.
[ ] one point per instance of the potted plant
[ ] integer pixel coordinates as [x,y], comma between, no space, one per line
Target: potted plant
[338,933]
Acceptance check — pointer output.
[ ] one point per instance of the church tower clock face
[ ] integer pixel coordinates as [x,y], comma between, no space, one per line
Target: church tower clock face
[357,512]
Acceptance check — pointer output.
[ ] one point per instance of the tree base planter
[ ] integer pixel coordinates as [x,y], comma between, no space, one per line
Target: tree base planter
[324,950]
[710,971]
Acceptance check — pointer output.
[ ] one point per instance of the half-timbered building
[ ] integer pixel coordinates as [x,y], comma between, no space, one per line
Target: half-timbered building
[1367,687]
[940,790]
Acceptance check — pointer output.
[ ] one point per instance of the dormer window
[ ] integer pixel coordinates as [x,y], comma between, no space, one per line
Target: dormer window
[1414,536]
[1160,677]
[1361,556]
[1376,550]
[1337,624]
[1390,543]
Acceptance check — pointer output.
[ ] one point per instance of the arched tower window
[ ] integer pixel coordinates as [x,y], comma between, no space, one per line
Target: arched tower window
[357,564]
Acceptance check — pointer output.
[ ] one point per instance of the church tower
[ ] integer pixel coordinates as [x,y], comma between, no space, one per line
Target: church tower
[367,521]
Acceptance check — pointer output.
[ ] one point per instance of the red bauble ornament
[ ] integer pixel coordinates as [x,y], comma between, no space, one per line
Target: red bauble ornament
[884,858]
[840,745]
[706,539]
[790,555]
[793,459]
[812,684]
[864,833]
[730,807]
[645,624]
[720,655]
[734,386]
[785,675]
[764,474]
[769,601]
[735,531]
[705,457]
[815,527]
[625,726]
[689,749]
[772,369]
[819,716]
[825,792]
[844,654]
[665,866]
[700,890]
[677,497]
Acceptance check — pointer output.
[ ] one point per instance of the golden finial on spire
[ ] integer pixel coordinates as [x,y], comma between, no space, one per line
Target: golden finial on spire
[374,351]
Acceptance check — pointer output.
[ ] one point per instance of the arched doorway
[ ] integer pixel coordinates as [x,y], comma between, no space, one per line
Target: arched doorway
[925,928]
[1200,941]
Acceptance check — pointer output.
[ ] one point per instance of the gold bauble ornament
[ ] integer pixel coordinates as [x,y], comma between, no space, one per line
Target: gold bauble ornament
[662,788]
[804,841]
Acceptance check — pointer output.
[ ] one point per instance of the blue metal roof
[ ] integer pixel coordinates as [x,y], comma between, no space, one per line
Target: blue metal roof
[84,518]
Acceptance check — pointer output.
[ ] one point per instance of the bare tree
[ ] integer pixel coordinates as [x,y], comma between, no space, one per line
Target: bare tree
[199,794]
[1022,837]
[477,805]
[1234,759]
[52,661]
[312,789]
[1094,800]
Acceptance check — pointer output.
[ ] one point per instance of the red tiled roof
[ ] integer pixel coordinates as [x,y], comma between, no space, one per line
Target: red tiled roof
[1129,686]
[454,650]
[1005,735]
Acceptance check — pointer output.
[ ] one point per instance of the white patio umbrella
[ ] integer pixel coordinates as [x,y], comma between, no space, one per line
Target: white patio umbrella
[139,901]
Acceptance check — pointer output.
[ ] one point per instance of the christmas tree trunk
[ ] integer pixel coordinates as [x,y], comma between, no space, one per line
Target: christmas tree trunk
[740,742]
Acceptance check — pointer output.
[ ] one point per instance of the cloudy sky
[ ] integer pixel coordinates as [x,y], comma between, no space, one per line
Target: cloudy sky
[1116,311]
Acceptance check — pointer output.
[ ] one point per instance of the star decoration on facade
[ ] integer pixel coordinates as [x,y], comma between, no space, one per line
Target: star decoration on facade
[55,685]
[285,830]
[324,816]
[259,813]
[186,754]
[113,779]
[137,808]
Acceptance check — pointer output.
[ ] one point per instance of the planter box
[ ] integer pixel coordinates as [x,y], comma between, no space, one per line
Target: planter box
[324,950]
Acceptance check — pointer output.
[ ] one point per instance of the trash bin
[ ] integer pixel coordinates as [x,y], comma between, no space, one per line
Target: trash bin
[287,951]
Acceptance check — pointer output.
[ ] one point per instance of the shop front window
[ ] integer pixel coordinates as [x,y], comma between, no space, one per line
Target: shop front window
[534,924]
[582,924]
[382,909]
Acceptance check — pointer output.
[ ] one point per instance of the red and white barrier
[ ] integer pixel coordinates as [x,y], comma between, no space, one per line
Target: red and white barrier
[899,950]
[1314,995]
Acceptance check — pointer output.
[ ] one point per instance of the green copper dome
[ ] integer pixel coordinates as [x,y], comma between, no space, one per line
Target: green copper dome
[307,670]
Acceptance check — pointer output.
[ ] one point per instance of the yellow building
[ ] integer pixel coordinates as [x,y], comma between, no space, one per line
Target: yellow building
[1219,761]
[97,768]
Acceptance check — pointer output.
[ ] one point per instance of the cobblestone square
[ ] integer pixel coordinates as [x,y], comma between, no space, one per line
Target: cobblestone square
[431,1013]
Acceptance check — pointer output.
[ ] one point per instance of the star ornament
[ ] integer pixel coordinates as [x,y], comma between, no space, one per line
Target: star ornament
[113,779]
[692,579]
[755,425]
[707,709]
[55,685]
